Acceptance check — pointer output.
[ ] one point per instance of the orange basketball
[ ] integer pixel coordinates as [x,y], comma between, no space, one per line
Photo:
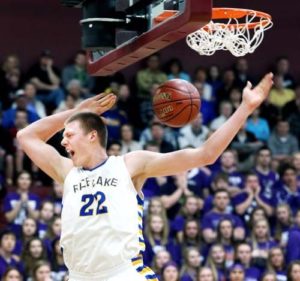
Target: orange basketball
[176,102]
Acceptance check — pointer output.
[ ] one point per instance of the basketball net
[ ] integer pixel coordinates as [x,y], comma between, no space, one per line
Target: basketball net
[240,35]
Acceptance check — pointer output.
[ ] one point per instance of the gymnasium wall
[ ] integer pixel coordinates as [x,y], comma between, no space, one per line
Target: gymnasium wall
[29,26]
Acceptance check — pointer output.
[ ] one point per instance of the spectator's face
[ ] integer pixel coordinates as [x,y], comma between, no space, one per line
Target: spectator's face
[157,132]
[29,227]
[74,90]
[47,211]
[277,258]
[218,255]
[228,77]
[161,258]
[194,258]
[13,275]
[295,272]
[114,150]
[226,109]
[155,207]
[296,161]
[264,158]
[214,72]
[156,224]
[56,227]
[206,275]
[8,243]
[201,75]
[252,182]
[237,274]
[242,65]
[124,92]
[283,128]
[80,60]
[24,182]
[227,159]
[21,120]
[261,229]
[289,177]
[191,205]
[21,102]
[153,63]
[170,274]
[36,248]
[30,91]
[269,277]
[43,273]
[197,122]
[226,229]
[283,66]
[235,95]
[297,218]
[58,190]
[57,248]
[282,215]
[258,215]
[221,200]
[126,133]
[175,68]
[192,230]
[244,254]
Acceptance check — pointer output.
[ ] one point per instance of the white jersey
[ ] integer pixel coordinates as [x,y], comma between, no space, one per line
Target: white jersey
[101,218]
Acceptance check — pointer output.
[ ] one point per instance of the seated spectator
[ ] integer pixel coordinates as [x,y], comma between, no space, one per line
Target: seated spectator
[262,242]
[53,232]
[7,258]
[225,237]
[156,207]
[198,181]
[193,134]
[291,113]
[282,68]
[68,103]
[46,216]
[216,261]
[269,276]
[205,274]
[277,263]
[157,237]
[258,126]
[235,98]
[58,266]
[78,71]
[33,253]
[287,189]
[251,197]
[56,198]
[191,264]
[241,69]
[213,78]
[257,214]
[114,148]
[237,273]
[243,255]
[211,219]
[161,258]
[12,274]
[293,271]
[46,77]
[127,140]
[21,204]
[284,222]
[225,112]
[228,83]
[170,272]
[175,70]
[279,95]
[41,271]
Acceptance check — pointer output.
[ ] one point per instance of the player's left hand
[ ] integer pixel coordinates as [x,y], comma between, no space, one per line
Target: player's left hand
[98,104]
[253,97]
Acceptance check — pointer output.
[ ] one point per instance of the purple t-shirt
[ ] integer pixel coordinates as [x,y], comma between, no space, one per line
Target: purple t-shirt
[197,181]
[267,182]
[234,178]
[212,219]
[284,195]
[10,201]
[293,246]
[252,274]
[12,263]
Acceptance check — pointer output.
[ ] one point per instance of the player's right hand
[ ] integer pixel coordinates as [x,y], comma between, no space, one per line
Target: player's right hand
[98,104]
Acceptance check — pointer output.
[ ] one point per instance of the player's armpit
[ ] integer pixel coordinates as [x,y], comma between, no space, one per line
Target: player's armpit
[46,157]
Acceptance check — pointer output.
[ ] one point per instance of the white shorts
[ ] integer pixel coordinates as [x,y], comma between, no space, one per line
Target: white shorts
[122,273]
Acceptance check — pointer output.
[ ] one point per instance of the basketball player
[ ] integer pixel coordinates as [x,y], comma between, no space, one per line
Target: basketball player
[102,203]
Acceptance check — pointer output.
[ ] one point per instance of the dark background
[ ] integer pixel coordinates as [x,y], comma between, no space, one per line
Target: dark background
[29,26]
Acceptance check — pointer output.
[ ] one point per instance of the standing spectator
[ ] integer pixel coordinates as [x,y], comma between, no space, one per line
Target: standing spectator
[175,70]
[205,274]
[78,71]
[282,68]
[258,126]
[282,143]
[235,98]
[241,68]
[228,83]
[20,204]
[127,140]
[213,78]
[243,255]
[7,258]
[216,261]
[46,77]
[191,264]
[225,111]
[277,263]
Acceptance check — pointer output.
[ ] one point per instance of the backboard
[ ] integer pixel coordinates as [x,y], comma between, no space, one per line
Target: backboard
[118,33]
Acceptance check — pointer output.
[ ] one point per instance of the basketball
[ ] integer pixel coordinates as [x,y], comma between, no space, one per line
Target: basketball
[176,102]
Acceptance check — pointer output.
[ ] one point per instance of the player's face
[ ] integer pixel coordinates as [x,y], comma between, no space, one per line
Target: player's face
[76,143]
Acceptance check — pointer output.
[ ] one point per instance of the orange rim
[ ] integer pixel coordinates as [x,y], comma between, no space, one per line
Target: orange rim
[229,13]
[164,16]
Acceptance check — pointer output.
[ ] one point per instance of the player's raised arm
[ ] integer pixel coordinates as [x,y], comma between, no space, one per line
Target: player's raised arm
[34,137]
[148,164]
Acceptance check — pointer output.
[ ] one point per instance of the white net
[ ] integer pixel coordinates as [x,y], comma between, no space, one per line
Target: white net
[239,36]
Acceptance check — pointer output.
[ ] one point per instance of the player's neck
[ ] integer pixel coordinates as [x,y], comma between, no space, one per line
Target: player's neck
[96,158]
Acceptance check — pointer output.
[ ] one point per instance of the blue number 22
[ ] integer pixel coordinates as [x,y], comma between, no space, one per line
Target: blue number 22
[87,209]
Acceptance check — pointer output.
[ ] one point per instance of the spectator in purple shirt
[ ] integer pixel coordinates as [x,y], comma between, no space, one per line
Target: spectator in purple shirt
[216,261]
[53,232]
[12,274]
[257,214]
[261,241]
[58,266]
[267,177]
[46,216]
[277,263]
[211,220]
[236,273]
[269,276]
[243,255]
[191,264]
[225,238]
[288,190]
[156,207]
[284,222]
[7,258]
[251,197]
[21,204]
[205,274]
[294,271]
[170,272]
[161,258]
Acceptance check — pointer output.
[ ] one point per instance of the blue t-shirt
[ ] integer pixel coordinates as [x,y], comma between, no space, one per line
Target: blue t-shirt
[197,181]
[285,195]
[252,274]
[4,264]
[267,182]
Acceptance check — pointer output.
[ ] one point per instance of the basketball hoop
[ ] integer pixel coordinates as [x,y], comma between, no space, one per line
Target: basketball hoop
[241,34]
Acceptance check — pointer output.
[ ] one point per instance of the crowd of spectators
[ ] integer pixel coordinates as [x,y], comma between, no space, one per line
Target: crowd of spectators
[238,219]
